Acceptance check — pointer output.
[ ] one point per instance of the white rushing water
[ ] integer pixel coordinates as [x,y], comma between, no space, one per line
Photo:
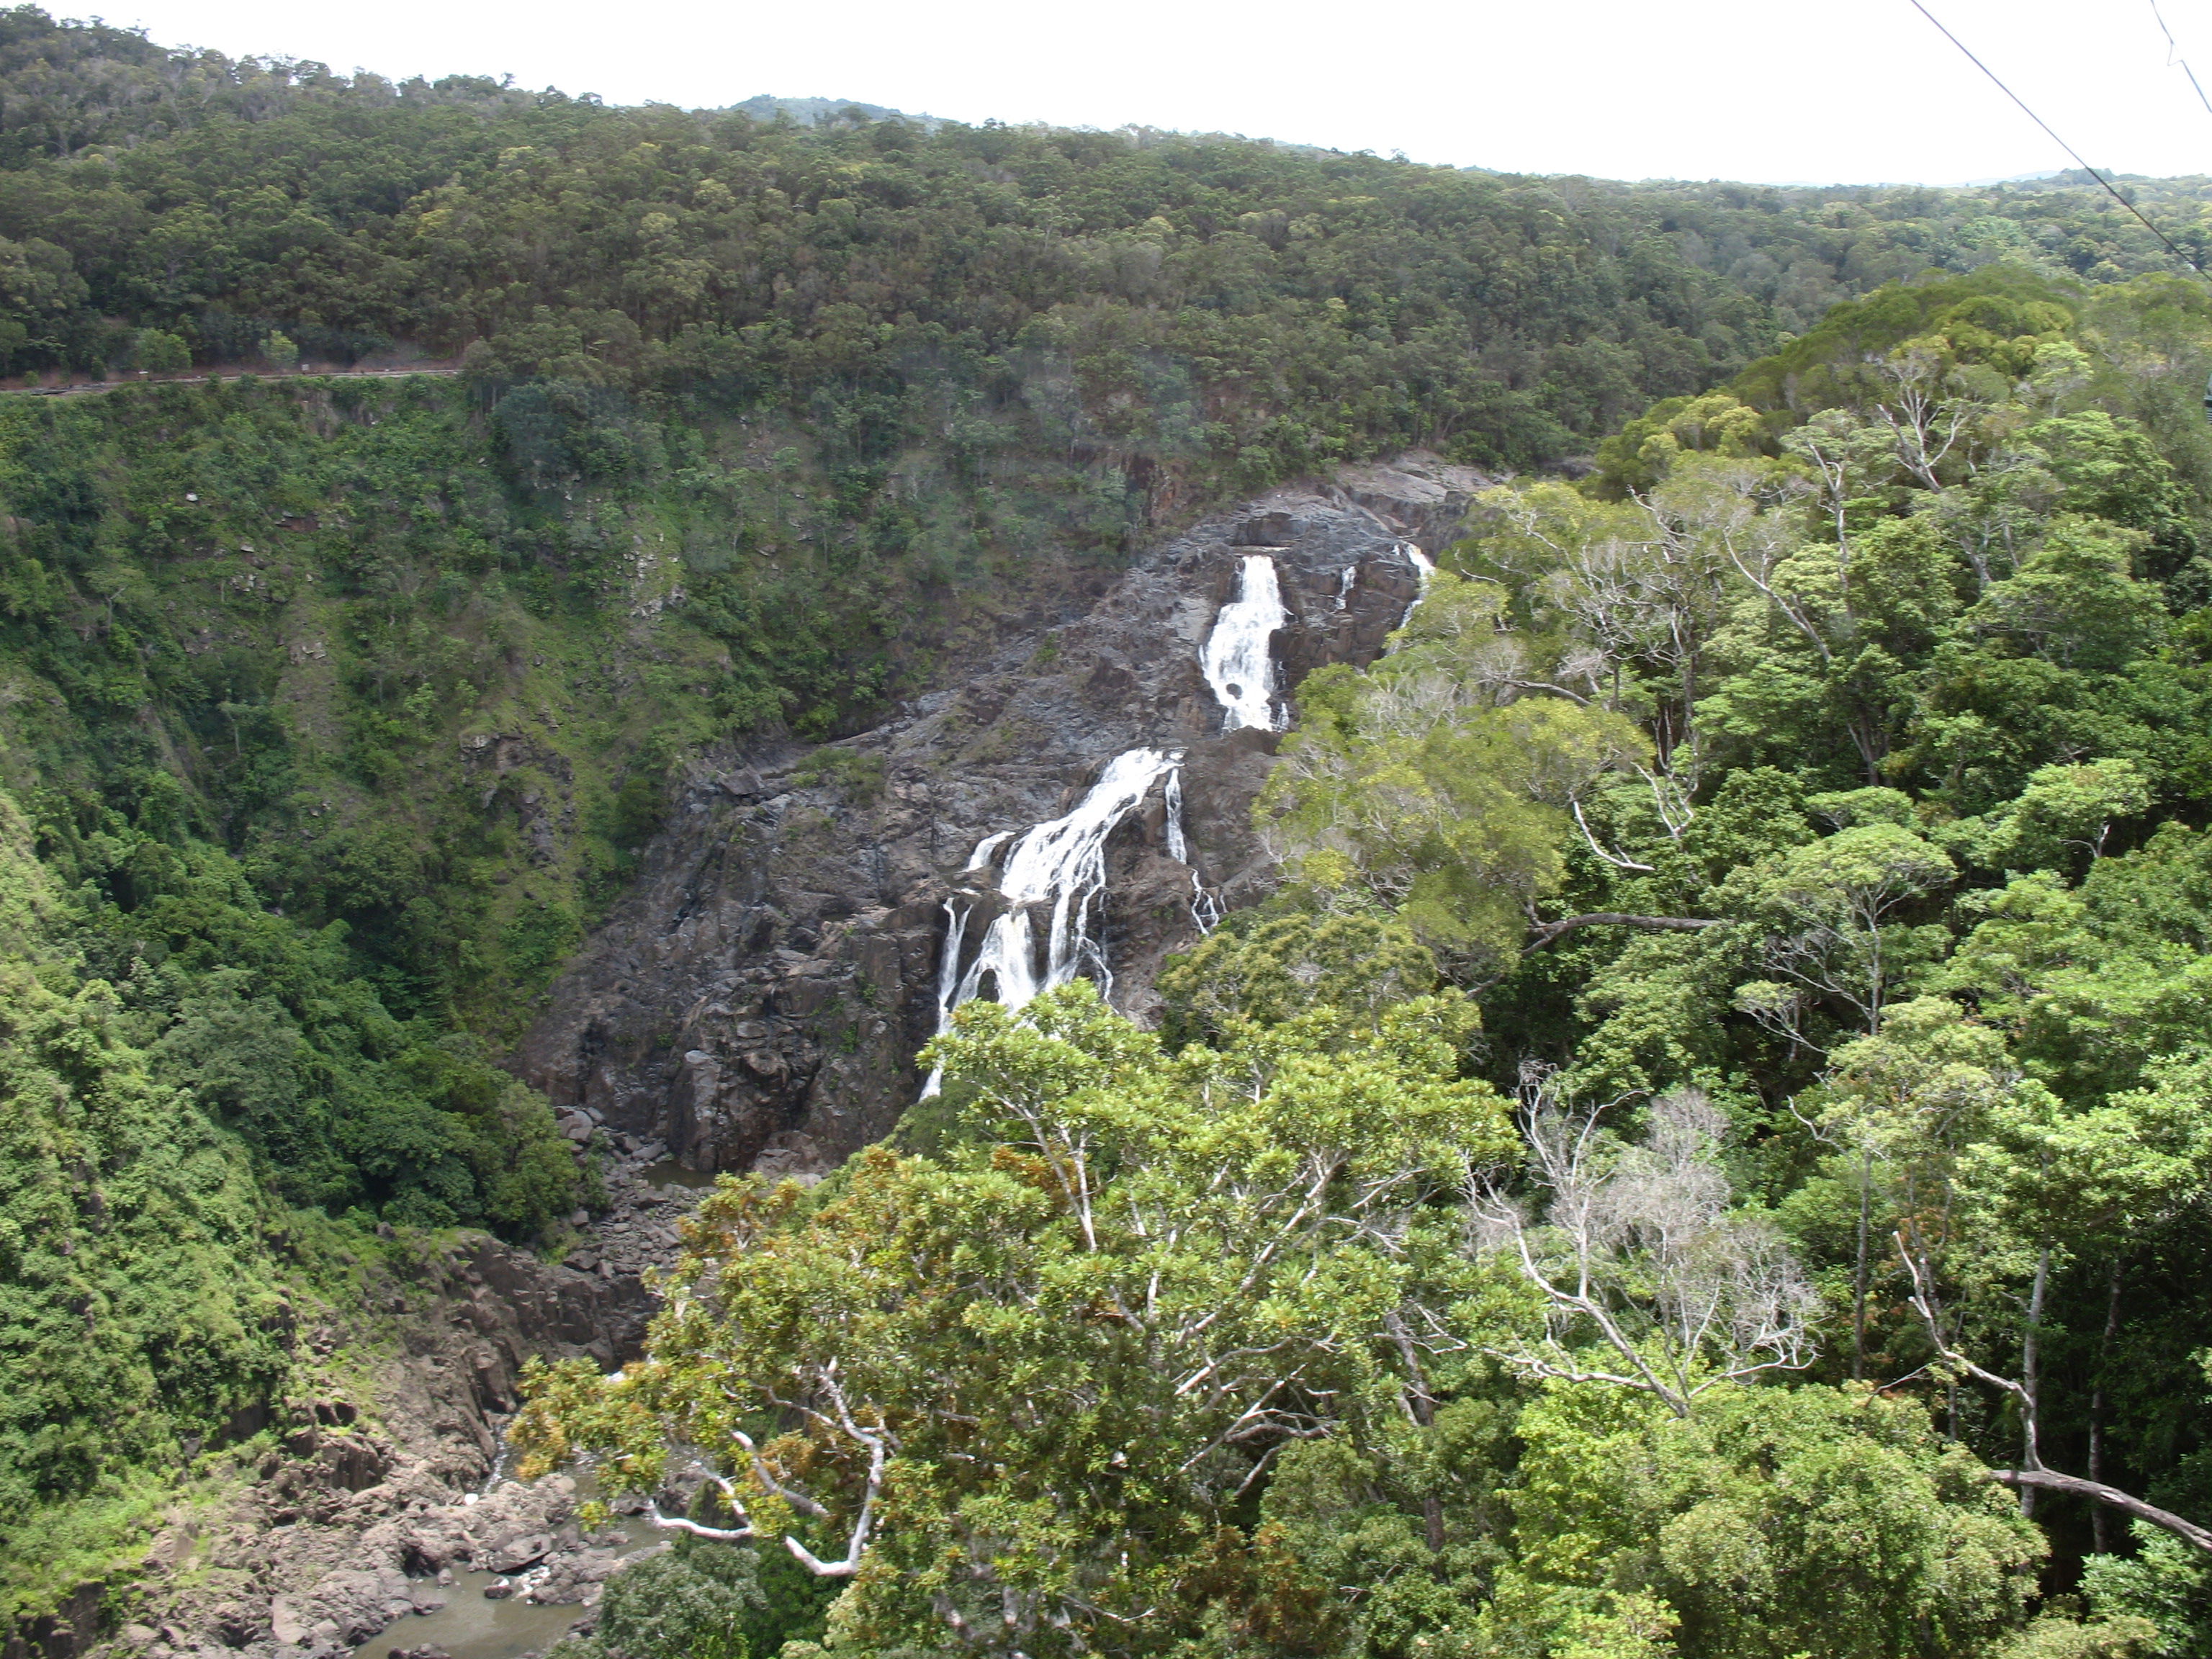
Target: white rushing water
[1205,906]
[986,848]
[1178,847]
[1237,663]
[1053,874]
[1423,567]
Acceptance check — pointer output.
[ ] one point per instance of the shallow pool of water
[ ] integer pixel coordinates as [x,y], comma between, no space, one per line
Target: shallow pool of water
[469,1626]
[670,1173]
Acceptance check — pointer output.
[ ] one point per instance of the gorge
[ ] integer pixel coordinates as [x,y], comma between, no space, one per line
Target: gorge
[804,1015]
[1097,778]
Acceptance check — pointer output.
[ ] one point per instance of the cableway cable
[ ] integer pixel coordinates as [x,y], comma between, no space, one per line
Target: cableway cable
[2173,55]
[2113,190]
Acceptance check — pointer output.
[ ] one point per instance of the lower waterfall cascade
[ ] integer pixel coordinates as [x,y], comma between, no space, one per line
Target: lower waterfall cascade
[1425,568]
[1205,906]
[1061,864]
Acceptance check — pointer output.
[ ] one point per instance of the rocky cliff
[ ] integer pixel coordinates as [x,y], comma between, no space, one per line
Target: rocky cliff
[758,998]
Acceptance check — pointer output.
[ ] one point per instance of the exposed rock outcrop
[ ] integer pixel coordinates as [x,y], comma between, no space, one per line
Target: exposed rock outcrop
[758,998]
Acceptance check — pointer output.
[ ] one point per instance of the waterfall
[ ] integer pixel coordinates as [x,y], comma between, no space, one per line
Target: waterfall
[1178,849]
[985,850]
[1344,586]
[948,967]
[1236,658]
[1055,872]
[1423,567]
[1204,907]
[1061,864]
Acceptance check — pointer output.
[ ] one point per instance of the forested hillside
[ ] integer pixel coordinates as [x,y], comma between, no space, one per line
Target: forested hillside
[1219,309]
[332,712]
[1803,249]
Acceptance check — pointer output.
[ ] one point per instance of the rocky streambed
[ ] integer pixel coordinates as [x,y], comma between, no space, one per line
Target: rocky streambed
[385,1515]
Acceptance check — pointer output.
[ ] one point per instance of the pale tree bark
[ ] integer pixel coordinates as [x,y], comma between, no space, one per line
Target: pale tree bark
[876,1442]
[2032,1477]
[2031,1376]
[1859,1270]
[1640,1249]
[1544,934]
[2099,1521]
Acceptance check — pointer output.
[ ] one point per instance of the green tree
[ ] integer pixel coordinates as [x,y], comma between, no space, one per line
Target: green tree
[1830,913]
[1269,969]
[160,352]
[1772,1523]
[1037,1375]
[689,1603]
[1425,790]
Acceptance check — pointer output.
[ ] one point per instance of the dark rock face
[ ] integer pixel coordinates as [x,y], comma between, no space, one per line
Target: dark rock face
[72,1629]
[758,998]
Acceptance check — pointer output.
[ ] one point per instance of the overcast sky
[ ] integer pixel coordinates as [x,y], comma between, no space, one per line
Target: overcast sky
[1821,91]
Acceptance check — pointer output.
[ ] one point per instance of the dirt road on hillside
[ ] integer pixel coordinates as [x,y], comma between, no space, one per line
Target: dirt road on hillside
[81,388]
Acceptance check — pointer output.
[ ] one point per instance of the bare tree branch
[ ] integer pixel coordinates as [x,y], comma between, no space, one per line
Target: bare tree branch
[1643,1252]
[1923,1302]
[879,1448]
[1619,860]
[2034,1477]
[2050,1481]
[697,1529]
[1549,933]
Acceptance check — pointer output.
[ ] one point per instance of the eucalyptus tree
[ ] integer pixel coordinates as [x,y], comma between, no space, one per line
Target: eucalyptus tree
[1012,1393]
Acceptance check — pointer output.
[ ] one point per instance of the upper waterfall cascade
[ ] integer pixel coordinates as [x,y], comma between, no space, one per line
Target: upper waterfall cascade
[987,849]
[1238,664]
[1423,569]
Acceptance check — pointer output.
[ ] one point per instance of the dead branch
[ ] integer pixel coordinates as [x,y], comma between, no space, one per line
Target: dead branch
[877,1443]
[1549,933]
[697,1529]
[1686,1292]
[2035,1477]
[2050,1481]
[1619,860]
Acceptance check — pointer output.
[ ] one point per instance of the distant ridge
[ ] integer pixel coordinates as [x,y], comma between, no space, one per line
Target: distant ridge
[819,111]
[2043,178]
[2056,175]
